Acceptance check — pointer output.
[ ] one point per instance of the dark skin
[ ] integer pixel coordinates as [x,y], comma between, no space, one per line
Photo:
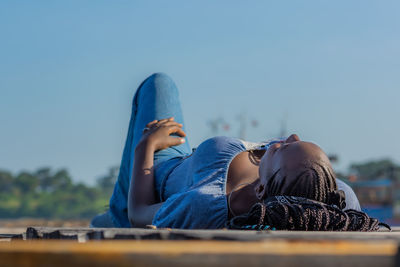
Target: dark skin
[287,157]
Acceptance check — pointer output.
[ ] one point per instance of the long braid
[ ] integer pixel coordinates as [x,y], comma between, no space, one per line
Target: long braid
[296,213]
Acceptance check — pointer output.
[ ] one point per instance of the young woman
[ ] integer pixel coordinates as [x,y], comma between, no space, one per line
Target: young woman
[161,182]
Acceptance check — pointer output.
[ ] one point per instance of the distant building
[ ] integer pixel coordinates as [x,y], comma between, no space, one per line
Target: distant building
[378,198]
[374,192]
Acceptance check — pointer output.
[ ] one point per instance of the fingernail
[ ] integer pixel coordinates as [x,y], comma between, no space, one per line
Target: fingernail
[182,140]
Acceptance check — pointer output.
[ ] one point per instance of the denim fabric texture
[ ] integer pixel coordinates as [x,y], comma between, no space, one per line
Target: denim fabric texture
[194,192]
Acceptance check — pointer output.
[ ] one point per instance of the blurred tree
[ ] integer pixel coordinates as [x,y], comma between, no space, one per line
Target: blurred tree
[106,182]
[61,180]
[26,182]
[45,178]
[374,170]
[6,181]
[50,181]
[52,194]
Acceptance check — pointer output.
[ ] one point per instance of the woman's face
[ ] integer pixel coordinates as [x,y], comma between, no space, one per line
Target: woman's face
[287,160]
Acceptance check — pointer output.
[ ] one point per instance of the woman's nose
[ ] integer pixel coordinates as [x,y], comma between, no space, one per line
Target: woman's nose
[292,138]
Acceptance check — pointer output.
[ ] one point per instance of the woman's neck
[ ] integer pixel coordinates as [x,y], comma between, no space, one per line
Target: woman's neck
[240,200]
[241,181]
[243,169]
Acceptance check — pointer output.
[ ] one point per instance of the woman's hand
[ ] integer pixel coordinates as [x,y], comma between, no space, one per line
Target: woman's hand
[157,134]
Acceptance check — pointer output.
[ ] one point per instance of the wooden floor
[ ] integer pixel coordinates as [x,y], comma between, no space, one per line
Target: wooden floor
[59,247]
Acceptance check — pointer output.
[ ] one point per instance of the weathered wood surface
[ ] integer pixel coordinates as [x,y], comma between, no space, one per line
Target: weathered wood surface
[6,234]
[277,252]
[46,246]
[84,234]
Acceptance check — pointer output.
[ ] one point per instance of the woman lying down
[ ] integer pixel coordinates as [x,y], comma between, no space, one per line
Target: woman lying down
[285,184]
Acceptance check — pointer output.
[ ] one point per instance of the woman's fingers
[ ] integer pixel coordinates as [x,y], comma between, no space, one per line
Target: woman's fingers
[159,121]
[172,123]
[174,141]
[177,130]
[156,123]
[165,120]
[151,123]
[165,124]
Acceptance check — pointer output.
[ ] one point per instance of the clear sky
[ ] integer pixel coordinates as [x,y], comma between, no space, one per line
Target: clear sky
[68,71]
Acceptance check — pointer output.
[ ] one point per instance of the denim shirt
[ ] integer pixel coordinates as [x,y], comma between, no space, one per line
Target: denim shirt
[195,191]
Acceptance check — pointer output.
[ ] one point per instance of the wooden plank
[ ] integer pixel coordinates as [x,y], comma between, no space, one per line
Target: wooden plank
[281,247]
[197,253]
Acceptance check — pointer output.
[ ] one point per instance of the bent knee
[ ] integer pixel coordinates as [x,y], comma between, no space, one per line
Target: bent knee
[160,76]
[159,82]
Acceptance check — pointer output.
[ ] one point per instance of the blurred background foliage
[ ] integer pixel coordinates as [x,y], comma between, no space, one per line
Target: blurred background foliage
[377,169]
[52,194]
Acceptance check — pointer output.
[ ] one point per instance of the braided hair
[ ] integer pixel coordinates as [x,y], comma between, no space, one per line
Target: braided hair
[301,214]
[317,181]
[303,195]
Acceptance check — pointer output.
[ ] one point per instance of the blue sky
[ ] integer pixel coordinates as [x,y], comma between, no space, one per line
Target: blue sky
[68,71]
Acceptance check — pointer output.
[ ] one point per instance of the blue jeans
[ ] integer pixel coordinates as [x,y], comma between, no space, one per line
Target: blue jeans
[156,98]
